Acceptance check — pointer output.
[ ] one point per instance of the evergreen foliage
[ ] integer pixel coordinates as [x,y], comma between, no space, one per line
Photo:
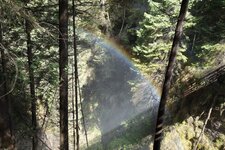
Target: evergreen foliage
[144,28]
[156,34]
[207,33]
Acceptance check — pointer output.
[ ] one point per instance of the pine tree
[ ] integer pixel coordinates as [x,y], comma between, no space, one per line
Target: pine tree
[155,36]
[6,137]
[207,31]
[32,86]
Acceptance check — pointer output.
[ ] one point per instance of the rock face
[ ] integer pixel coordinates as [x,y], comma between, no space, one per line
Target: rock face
[183,136]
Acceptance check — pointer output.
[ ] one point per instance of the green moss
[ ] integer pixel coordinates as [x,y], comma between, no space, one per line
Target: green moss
[220,142]
[184,135]
[96,146]
[119,143]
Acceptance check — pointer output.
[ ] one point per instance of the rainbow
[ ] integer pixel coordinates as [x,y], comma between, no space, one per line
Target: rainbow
[116,49]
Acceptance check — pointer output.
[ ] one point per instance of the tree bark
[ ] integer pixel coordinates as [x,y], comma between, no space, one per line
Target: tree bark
[6,136]
[73,109]
[76,75]
[63,73]
[32,85]
[168,75]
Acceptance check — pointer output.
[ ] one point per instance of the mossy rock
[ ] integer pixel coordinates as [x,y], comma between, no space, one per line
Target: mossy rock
[182,136]
[220,142]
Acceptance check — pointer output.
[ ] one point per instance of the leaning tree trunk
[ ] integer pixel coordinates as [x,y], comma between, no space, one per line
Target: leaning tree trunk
[6,136]
[168,75]
[32,86]
[63,73]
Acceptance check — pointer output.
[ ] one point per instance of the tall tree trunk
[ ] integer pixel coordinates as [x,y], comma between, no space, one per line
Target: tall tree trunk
[168,75]
[63,73]
[6,136]
[32,86]
[73,109]
[76,74]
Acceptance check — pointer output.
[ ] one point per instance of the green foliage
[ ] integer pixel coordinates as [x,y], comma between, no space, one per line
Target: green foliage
[207,33]
[202,46]
[156,33]
[122,16]
[220,141]
[119,143]
[134,131]
[45,64]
